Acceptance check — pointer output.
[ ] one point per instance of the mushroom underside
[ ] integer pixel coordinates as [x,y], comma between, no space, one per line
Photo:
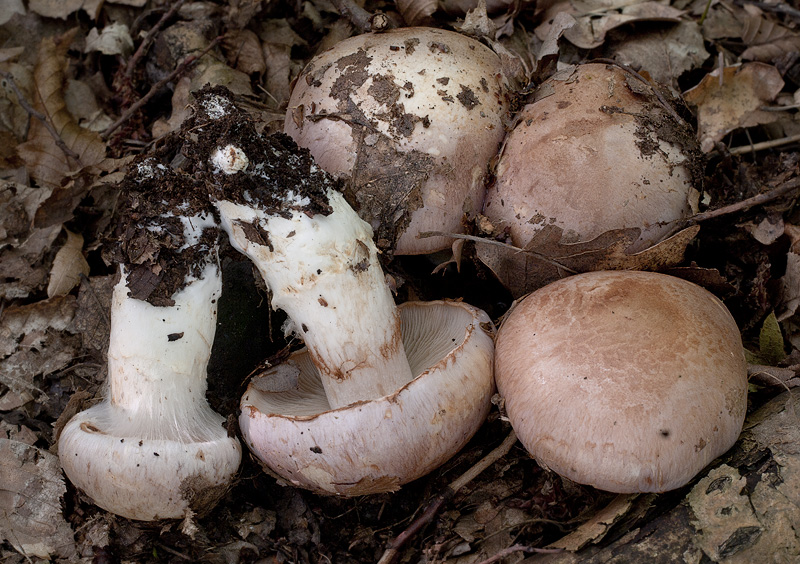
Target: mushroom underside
[377,445]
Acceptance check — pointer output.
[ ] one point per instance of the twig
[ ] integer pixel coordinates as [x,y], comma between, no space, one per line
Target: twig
[41,117]
[183,67]
[519,548]
[782,190]
[359,17]
[771,144]
[393,551]
[151,36]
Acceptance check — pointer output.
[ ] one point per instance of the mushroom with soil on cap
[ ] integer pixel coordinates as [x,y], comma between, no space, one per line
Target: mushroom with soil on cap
[598,151]
[626,381]
[374,381]
[153,448]
[411,119]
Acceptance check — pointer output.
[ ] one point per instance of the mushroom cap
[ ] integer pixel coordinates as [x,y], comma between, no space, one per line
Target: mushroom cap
[148,478]
[378,445]
[583,159]
[416,114]
[627,381]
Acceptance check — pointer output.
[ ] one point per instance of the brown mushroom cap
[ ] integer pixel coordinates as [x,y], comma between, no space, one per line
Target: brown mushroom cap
[582,158]
[627,381]
[412,117]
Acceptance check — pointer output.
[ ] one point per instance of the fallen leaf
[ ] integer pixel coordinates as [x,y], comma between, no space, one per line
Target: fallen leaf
[180,109]
[115,39]
[31,488]
[767,40]
[9,8]
[55,8]
[13,117]
[590,30]
[546,259]
[46,161]
[68,266]
[733,101]
[243,51]
[664,53]
[416,12]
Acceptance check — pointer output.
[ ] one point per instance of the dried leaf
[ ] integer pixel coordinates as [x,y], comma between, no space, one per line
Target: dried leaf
[13,117]
[767,40]
[68,266]
[9,8]
[733,101]
[46,161]
[590,31]
[243,51]
[664,53]
[546,258]
[115,39]
[770,341]
[55,8]
[91,319]
[20,266]
[180,109]
[31,488]
[416,12]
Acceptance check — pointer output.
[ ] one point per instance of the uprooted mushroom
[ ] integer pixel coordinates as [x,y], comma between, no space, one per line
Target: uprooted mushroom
[374,380]
[153,448]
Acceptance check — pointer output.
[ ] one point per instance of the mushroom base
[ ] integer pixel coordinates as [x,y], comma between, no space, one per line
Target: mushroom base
[378,445]
[147,479]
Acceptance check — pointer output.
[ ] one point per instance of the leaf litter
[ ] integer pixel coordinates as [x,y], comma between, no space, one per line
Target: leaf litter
[732,60]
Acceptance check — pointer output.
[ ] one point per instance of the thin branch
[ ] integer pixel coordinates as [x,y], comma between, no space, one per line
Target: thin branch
[361,18]
[392,553]
[519,548]
[151,36]
[183,67]
[785,188]
[764,145]
[40,116]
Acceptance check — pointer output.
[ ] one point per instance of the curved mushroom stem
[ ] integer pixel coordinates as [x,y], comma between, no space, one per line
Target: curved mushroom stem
[323,271]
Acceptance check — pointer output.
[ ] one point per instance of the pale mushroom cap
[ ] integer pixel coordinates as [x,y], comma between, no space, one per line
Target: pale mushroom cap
[571,164]
[626,381]
[434,97]
[378,445]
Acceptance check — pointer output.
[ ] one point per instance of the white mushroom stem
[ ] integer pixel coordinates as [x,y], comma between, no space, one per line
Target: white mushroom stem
[157,359]
[154,448]
[323,271]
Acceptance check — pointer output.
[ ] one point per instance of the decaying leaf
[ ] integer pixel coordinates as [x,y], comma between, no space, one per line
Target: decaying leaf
[664,53]
[733,100]
[416,12]
[243,51]
[546,258]
[766,39]
[68,266]
[47,162]
[114,39]
[31,488]
[590,30]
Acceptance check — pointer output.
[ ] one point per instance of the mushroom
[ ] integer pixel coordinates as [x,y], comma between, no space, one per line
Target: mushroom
[410,118]
[378,397]
[595,172]
[153,448]
[626,381]
[591,155]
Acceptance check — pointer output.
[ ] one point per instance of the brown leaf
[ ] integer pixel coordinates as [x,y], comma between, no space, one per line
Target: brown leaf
[243,51]
[47,162]
[590,31]
[91,319]
[546,258]
[68,266]
[767,40]
[416,12]
[733,101]
[31,488]
[596,527]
